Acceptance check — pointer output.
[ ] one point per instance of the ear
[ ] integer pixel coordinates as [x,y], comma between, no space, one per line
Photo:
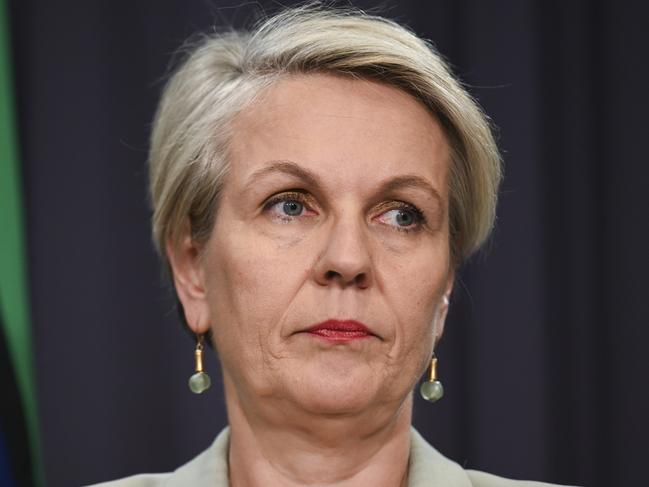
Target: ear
[443,307]
[188,277]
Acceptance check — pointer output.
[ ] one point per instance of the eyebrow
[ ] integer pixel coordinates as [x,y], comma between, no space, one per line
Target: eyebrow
[282,167]
[411,181]
[292,169]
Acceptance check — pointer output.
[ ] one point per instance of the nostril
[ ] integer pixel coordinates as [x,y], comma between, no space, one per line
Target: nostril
[329,275]
[360,279]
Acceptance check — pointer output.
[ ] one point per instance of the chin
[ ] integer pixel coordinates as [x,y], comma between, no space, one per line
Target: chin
[335,390]
[333,401]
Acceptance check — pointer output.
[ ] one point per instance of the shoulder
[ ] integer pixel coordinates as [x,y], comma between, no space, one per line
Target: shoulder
[144,480]
[208,468]
[482,479]
[429,467]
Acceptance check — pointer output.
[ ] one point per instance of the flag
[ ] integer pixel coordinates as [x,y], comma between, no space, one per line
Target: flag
[19,439]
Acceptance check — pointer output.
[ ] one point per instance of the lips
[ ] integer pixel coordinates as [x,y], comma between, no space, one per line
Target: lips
[340,330]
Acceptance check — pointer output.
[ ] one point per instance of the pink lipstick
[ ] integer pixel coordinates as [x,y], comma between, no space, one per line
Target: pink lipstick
[340,330]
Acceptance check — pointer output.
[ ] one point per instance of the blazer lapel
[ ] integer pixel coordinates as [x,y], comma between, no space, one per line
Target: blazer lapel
[208,468]
[429,468]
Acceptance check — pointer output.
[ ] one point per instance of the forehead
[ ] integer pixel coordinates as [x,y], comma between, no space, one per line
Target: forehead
[351,132]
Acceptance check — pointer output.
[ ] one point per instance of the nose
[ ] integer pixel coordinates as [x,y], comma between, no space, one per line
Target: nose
[345,259]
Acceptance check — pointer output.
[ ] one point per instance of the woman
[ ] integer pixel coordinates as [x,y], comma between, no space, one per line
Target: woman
[316,183]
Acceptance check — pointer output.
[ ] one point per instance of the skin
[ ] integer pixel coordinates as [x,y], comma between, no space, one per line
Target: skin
[344,153]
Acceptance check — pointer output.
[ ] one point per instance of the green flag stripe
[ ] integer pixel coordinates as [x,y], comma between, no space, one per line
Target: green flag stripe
[14,302]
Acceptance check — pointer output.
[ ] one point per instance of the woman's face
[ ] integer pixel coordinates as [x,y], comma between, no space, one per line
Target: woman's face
[335,208]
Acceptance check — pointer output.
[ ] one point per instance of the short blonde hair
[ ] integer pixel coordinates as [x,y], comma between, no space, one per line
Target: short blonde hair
[223,73]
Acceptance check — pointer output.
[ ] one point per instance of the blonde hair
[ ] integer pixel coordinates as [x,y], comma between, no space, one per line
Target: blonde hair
[223,73]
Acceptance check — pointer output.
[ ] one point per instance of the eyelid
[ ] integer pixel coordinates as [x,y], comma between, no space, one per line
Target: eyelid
[400,205]
[294,194]
[396,204]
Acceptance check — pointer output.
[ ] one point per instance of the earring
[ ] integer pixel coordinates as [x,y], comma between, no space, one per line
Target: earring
[200,381]
[432,390]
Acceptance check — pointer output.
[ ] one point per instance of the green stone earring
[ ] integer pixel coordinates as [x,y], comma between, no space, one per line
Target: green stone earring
[432,390]
[200,381]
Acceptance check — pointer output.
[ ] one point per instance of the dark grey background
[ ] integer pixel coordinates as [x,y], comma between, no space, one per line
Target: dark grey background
[544,359]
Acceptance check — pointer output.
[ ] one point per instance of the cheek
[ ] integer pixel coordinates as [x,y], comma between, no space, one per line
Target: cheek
[416,290]
[250,285]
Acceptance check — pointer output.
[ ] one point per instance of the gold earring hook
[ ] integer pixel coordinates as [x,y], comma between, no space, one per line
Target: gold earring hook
[198,353]
[433,369]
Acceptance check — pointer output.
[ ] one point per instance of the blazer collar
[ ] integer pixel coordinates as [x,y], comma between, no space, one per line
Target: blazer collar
[427,466]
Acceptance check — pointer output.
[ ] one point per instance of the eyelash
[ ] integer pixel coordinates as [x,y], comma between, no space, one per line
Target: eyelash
[420,219]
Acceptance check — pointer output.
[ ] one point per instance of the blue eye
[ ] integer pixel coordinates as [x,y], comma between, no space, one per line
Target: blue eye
[405,218]
[287,206]
[292,207]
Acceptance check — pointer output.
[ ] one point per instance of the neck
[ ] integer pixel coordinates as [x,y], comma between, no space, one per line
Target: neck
[281,446]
